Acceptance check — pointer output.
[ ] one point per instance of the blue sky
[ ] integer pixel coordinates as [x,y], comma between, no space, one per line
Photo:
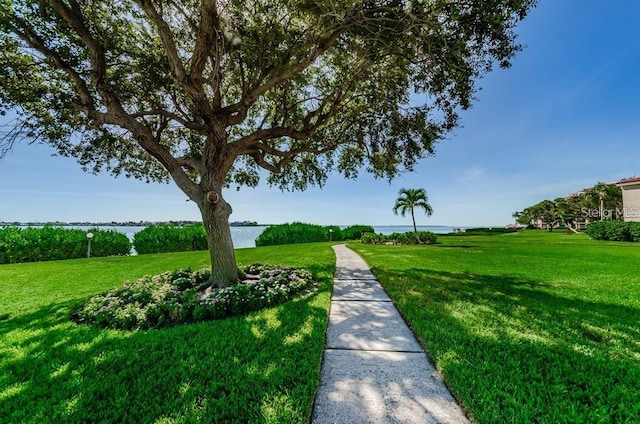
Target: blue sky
[566,115]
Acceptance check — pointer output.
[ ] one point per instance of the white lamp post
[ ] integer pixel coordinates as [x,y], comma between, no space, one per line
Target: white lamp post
[330,234]
[89,237]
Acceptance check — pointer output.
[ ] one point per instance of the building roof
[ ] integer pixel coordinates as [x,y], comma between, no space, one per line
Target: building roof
[628,181]
[634,180]
[575,194]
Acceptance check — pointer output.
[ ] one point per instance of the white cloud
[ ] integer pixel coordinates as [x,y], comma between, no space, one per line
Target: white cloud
[472,174]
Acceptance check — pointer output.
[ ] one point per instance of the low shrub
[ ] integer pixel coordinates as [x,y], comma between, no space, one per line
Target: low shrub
[296,232]
[427,237]
[299,232]
[50,242]
[423,237]
[614,231]
[597,230]
[373,238]
[169,238]
[618,231]
[173,298]
[109,243]
[355,232]
[634,232]
[401,238]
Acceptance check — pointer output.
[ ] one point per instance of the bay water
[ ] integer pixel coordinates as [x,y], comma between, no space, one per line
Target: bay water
[246,236]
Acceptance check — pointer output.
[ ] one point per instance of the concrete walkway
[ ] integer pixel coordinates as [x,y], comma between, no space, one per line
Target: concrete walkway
[374,370]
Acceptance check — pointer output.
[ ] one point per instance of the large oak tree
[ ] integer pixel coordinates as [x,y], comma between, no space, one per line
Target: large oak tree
[209,92]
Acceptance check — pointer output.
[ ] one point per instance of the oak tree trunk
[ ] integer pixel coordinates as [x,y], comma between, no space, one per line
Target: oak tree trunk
[215,216]
[217,161]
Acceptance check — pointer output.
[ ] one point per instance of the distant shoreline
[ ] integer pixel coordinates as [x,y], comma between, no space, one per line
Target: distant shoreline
[177,223]
[119,224]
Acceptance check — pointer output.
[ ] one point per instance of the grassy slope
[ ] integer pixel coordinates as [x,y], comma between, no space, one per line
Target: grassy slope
[263,367]
[529,327]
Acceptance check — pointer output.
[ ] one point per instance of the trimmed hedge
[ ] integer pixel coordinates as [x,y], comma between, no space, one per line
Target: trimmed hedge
[333,233]
[425,237]
[299,232]
[50,243]
[293,233]
[169,238]
[614,230]
[355,232]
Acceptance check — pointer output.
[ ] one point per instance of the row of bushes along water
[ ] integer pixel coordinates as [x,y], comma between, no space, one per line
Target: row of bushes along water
[53,243]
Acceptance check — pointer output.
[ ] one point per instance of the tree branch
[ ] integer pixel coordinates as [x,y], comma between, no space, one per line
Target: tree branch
[308,129]
[258,156]
[177,68]
[293,152]
[35,42]
[238,111]
[73,16]
[191,163]
[188,19]
[9,136]
[247,143]
[115,115]
[205,39]
[172,116]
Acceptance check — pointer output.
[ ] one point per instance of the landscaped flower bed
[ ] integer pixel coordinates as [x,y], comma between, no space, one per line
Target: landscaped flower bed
[174,297]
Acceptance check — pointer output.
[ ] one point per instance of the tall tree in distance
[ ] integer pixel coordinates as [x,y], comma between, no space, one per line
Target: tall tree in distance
[408,200]
[516,216]
[603,193]
[209,93]
[568,211]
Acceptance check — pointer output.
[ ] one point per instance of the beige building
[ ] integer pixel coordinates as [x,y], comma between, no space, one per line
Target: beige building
[630,198]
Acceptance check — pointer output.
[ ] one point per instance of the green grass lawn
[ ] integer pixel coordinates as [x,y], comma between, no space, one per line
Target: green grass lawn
[262,367]
[527,327]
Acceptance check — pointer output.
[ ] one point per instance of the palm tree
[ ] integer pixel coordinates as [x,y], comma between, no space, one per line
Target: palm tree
[599,191]
[516,216]
[410,199]
[602,192]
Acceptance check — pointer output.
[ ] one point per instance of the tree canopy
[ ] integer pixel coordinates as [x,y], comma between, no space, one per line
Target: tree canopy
[211,92]
[603,194]
[602,201]
[118,84]
[410,199]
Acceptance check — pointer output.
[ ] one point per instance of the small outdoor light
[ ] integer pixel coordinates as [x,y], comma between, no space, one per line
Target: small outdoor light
[89,237]
[330,234]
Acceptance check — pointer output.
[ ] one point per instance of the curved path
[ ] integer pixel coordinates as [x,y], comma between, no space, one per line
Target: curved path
[374,370]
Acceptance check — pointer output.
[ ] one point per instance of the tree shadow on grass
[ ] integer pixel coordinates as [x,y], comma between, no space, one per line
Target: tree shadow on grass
[254,368]
[516,350]
[462,246]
